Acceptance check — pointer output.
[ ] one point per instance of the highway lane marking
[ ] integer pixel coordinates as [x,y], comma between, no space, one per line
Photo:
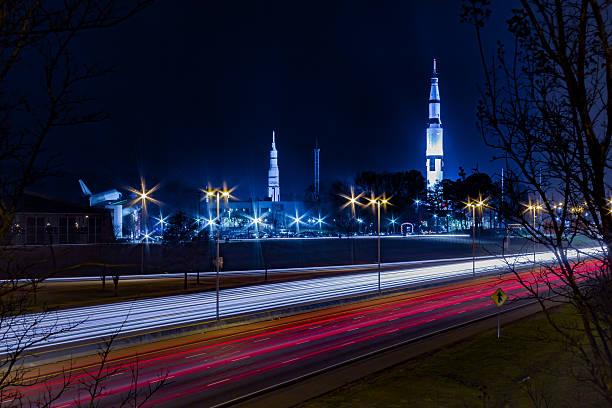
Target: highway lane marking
[239,358]
[293,359]
[218,382]
[302,342]
[161,379]
[196,355]
[260,340]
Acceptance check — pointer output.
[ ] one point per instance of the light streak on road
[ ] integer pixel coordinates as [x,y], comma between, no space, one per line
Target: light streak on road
[225,363]
[144,315]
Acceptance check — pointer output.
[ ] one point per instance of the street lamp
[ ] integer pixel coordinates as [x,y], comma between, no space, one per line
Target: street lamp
[378,201]
[473,205]
[143,195]
[297,220]
[217,194]
[161,221]
[533,208]
[418,204]
[351,201]
[393,221]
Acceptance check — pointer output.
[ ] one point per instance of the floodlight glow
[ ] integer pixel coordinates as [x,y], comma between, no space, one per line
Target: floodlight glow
[143,195]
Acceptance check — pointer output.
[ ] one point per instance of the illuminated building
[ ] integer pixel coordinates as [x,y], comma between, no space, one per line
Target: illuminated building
[434,153]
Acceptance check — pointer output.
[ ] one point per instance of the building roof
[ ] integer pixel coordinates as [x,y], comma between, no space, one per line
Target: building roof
[40,204]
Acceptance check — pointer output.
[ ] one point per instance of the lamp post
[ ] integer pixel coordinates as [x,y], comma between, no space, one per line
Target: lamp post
[393,222]
[143,195]
[418,204]
[378,201]
[533,208]
[352,200]
[216,193]
[473,204]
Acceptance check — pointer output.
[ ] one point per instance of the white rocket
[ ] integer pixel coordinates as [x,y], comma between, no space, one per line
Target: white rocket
[434,153]
[273,179]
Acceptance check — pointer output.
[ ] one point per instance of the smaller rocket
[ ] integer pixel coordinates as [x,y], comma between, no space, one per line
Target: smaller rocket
[273,176]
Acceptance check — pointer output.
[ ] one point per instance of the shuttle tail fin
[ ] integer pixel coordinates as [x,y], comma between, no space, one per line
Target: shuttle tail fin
[86,191]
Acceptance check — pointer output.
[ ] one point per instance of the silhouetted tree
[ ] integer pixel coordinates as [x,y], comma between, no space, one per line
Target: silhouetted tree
[181,228]
[545,109]
[48,95]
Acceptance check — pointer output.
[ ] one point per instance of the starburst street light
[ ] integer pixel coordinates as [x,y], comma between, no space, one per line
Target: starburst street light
[473,204]
[393,221]
[143,195]
[217,193]
[533,208]
[161,221]
[351,200]
[418,203]
[378,201]
[297,220]
[320,220]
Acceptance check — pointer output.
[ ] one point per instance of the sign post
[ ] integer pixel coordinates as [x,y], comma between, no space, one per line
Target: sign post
[499,297]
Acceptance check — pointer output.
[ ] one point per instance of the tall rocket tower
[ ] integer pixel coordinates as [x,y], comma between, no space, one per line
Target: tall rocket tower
[434,153]
[273,179]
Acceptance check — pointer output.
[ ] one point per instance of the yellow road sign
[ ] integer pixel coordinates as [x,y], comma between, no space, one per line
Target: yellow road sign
[499,297]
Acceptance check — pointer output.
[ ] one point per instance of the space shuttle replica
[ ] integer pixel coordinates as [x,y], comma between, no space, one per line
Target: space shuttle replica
[273,178]
[434,153]
[110,199]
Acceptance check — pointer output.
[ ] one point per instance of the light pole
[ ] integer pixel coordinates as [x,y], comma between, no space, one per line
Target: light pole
[297,220]
[473,204]
[418,203]
[378,201]
[143,195]
[352,200]
[533,208]
[215,194]
[393,222]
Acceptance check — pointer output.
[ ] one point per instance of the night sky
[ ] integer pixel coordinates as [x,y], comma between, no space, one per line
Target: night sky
[199,86]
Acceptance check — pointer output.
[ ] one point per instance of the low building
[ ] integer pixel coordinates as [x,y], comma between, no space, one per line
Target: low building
[41,220]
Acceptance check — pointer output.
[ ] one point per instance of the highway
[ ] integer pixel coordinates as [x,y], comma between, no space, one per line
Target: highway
[89,323]
[217,370]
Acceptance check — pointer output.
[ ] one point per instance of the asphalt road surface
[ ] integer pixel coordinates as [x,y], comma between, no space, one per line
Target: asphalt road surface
[218,370]
[150,315]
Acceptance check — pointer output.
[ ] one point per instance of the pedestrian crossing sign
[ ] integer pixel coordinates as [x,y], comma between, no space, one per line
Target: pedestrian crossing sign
[499,297]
